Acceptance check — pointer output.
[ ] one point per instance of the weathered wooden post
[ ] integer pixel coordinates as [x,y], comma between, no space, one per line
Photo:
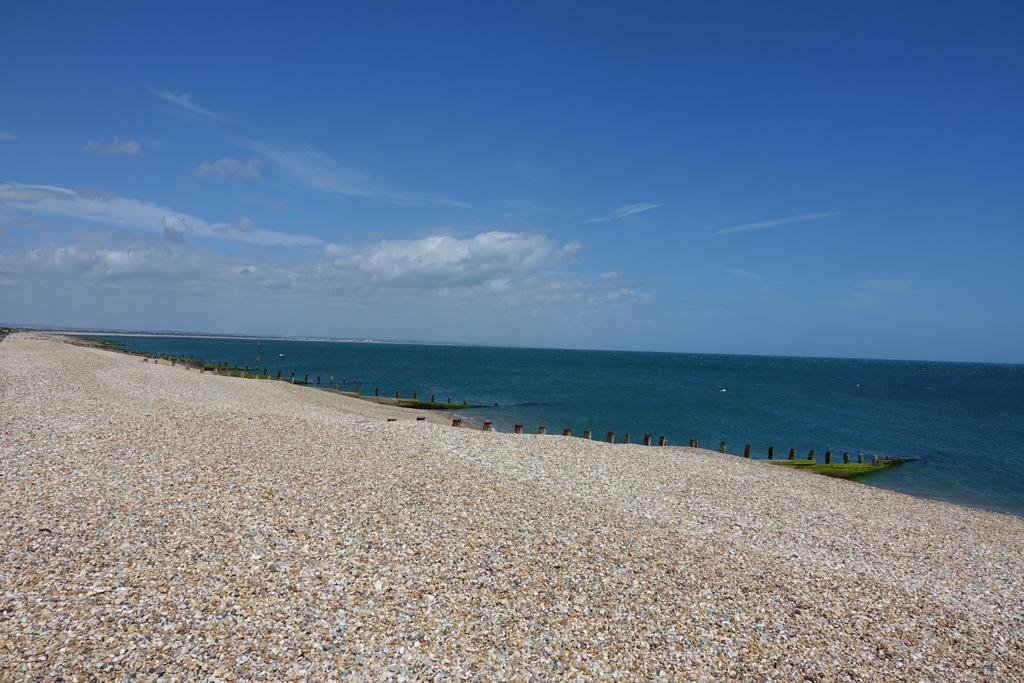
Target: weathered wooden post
[318,380]
[566,432]
[811,456]
[398,394]
[828,457]
[293,378]
[860,458]
[694,444]
[662,441]
[487,425]
[433,398]
[586,434]
[518,429]
[792,454]
[647,439]
[771,452]
[721,447]
[449,400]
[625,438]
[846,457]
[376,391]
[279,374]
[420,419]
[611,437]
[416,396]
[456,422]
[746,451]
[542,430]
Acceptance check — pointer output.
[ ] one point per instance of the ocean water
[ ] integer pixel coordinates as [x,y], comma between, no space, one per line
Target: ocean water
[962,422]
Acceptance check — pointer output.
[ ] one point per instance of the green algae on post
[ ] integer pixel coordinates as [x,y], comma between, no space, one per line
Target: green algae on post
[841,470]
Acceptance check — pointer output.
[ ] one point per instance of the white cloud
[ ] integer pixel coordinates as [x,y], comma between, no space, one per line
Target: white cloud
[228,167]
[184,103]
[623,211]
[7,136]
[507,269]
[744,227]
[447,261]
[320,172]
[132,213]
[116,147]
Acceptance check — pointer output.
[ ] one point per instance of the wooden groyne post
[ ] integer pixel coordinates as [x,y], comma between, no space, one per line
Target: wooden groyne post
[566,432]
[625,438]
[487,425]
[542,430]
[662,441]
[811,456]
[518,429]
[746,451]
[611,437]
[647,439]
[721,447]
[828,457]
[771,452]
[694,444]
[456,422]
[586,434]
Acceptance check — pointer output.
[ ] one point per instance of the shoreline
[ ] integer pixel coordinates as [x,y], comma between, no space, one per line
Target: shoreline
[157,519]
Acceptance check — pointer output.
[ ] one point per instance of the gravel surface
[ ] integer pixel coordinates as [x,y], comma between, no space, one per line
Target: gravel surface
[156,522]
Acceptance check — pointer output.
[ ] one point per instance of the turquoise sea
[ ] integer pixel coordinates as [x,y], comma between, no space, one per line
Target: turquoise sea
[962,422]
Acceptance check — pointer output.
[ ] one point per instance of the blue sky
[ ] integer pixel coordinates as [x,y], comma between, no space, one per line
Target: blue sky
[778,178]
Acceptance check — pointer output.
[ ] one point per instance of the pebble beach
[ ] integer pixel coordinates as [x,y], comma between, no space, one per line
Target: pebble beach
[158,523]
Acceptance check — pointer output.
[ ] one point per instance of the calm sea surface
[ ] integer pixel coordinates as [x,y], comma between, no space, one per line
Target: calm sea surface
[963,422]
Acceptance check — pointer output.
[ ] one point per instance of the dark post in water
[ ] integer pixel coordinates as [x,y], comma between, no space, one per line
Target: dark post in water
[746,451]
[647,439]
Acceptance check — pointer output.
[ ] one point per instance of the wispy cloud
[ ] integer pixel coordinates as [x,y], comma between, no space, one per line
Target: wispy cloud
[184,103]
[115,147]
[320,172]
[7,136]
[743,273]
[760,225]
[36,200]
[228,167]
[623,211]
[870,293]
